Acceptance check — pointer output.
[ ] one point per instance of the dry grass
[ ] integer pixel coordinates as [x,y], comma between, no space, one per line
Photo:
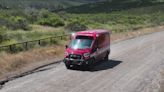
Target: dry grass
[45,28]
[10,63]
[121,36]
[20,62]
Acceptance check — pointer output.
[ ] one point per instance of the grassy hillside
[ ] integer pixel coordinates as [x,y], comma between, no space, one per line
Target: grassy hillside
[23,20]
[114,5]
[39,4]
[119,16]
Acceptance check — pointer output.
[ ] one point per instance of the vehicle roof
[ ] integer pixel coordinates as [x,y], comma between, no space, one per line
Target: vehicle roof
[93,31]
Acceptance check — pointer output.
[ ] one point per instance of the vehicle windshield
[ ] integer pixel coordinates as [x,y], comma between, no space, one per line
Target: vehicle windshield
[81,42]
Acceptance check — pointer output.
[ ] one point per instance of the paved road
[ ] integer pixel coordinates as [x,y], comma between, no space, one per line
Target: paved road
[134,66]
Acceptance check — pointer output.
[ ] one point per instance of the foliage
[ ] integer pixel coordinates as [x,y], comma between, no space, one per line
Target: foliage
[14,22]
[50,19]
[109,6]
[122,21]
[18,23]
[116,15]
[51,5]
[76,26]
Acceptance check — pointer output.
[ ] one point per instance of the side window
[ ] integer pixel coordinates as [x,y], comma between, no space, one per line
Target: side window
[107,39]
[101,40]
[95,46]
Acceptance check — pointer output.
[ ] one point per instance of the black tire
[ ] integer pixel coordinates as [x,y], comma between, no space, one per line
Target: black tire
[106,56]
[91,64]
[68,66]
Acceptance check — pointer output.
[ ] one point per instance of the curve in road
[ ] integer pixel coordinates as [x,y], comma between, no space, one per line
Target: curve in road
[134,66]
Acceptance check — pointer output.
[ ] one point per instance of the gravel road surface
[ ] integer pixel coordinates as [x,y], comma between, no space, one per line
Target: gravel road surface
[134,66]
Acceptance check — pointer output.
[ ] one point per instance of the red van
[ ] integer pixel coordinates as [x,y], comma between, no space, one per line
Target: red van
[87,47]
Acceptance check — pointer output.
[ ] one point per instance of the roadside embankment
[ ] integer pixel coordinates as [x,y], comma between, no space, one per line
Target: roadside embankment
[16,64]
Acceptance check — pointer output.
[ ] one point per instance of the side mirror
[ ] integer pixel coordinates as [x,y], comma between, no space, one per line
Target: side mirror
[66,46]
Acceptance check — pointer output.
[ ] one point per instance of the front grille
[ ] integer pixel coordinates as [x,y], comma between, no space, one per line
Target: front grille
[74,56]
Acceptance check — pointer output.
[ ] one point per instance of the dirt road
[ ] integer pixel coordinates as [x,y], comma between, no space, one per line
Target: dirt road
[134,66]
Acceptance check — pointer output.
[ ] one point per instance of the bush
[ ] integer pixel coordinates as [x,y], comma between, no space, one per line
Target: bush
[18,23]
[50,19]
[17,48]
[14,22]
[76,26]
[3,34]
[32,15]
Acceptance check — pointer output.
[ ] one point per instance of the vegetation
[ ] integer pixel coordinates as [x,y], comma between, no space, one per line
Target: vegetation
[76,25]
[24,20]
[50,19]
[112,5]
[36,19]
[122,21]
[51,5]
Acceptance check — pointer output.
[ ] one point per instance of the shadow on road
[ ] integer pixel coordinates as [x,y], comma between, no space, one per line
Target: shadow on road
[99,66]
[104,65]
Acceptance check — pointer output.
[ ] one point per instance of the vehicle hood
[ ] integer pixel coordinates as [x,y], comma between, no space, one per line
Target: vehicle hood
[77,51]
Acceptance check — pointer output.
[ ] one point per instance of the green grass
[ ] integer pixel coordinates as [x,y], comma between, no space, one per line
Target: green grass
[18,36]
[118,16]
[112,6]
[39,4]
[122,21]
[117,21]
[34,34]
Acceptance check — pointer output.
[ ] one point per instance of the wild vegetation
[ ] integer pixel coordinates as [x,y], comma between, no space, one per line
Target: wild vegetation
[51,5]
[23,22]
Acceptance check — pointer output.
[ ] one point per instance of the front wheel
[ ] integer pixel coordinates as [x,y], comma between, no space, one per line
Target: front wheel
[68,66]
[106,56]
[90,66]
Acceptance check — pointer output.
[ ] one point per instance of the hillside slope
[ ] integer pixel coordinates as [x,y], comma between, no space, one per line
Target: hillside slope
[110,6]
[12,4]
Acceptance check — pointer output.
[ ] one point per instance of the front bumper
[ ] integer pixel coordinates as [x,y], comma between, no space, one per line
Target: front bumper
[78,62]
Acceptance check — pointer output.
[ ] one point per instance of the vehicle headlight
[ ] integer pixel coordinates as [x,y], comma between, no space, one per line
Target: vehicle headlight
[86,54]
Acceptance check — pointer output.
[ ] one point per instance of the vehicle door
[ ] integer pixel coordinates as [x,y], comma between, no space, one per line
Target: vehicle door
[101,46]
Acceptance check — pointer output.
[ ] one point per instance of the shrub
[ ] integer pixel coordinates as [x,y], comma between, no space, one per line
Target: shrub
[32,15]
[76,26]
[51,20]
[14,22]
[17,48]
[18,23]
[3,31]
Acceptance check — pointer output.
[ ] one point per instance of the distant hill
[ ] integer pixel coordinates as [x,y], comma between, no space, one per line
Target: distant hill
[112,5]
[39,4]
